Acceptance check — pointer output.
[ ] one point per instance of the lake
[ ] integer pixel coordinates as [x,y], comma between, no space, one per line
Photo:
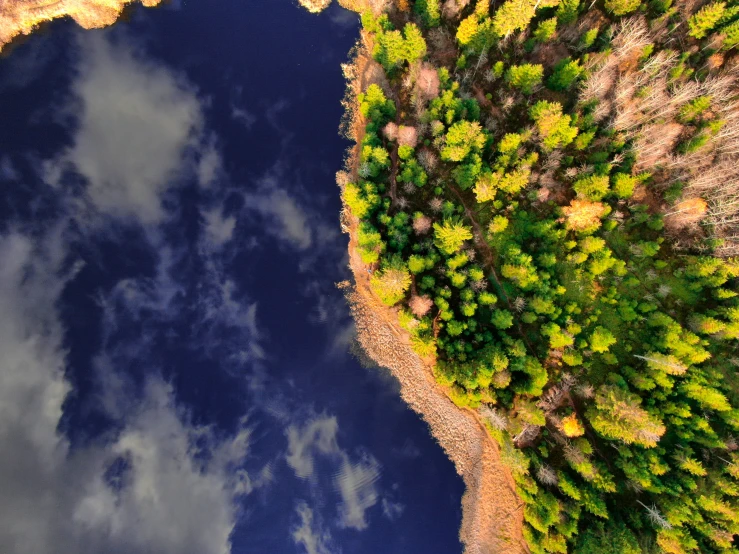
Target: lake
[176,374]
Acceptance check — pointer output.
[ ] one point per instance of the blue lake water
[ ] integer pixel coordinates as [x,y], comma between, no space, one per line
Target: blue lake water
[175,374]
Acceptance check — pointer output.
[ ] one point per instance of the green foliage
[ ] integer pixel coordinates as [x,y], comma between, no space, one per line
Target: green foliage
[513,15]
[592,187]
[694,109]
[588,38]
[612,537]
[555,128]
[463,139]
[502,319]
[567,11]
[731,35]
[498,224]
[703,22]
[497,70]
[608,355]
[623,184]
[450,235]
[375,106]
[475,34]
[566,72]
[622,7]
[430,12]
[524,77]
[601,340]
[617,415]
[393,48]
[391,281]
[545,30]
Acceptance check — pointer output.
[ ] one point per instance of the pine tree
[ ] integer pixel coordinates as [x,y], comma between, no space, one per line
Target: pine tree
[524,77]
[601,340]
[391,282]
[592,187]
[463,138]
[731,34]
[567,11]
[618,415]
[450,235]
[430,12]
[703,22]
[513,15]
[545,30]
[622,7]
[476,34]
[566,72]
[554,127]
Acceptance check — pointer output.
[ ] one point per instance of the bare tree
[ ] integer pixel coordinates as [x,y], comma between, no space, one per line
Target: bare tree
[420,305]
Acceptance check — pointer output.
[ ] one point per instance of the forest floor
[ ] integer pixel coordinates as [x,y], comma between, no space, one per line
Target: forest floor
[492,513]
[21,17]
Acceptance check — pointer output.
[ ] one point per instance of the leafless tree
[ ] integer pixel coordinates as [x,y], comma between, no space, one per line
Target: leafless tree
[422,225]
[420,305]
[452,8]
[407,136]
[493,416]
[546,475]
[427,83]
[390,131]
[655,516]
[427,159]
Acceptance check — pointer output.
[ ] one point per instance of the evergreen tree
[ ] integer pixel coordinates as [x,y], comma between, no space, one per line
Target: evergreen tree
[524,77]
[622,7]
[705,19]
[392,281]
[617,415]
[463,138]
[430,12]
[513,15]
[566,72]
[450,235]
[554,127]
[545,30]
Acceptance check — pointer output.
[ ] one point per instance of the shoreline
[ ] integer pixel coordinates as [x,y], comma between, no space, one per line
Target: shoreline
[492,513]
[19,18]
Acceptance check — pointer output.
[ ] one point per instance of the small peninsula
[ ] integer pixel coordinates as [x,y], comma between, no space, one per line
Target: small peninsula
[21,17]
[543,209]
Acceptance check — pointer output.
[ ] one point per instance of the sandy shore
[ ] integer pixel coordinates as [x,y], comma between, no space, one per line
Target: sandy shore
[20,17]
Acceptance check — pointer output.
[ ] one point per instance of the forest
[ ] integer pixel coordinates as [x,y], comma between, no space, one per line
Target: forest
[547,194]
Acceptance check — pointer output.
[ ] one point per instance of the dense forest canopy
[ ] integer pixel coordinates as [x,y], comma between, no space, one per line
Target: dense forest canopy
[547,192]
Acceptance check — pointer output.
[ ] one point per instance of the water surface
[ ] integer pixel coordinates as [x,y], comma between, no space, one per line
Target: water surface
[175,375]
